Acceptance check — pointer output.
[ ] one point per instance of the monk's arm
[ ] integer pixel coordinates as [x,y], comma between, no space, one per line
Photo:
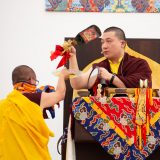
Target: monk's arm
[111,78]
[80,81]
[52,98]
[118,82]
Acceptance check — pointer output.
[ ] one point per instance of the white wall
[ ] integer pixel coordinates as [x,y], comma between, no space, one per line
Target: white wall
[28,33]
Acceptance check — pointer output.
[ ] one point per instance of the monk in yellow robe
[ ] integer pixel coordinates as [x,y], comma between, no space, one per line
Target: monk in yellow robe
[24,134]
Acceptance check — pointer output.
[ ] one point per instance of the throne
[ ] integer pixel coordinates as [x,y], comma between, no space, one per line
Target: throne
[86,55]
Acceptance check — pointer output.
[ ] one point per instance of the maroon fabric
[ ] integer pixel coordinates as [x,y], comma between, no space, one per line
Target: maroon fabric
[36,98]
[130,71]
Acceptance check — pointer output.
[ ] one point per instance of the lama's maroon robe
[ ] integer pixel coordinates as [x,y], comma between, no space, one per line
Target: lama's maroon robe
[130,71]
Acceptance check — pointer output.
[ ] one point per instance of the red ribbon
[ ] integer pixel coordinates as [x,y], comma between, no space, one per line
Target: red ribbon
[59,51]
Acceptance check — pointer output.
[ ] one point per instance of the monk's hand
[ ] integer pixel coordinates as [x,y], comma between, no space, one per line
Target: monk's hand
[65,73]
[72,51]
[103,73]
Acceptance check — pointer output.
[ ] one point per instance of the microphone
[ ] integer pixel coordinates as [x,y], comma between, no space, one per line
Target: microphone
[103,82]
[102,52]
[104,85]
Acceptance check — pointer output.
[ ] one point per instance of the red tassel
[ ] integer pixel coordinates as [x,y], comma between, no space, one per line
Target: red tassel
[59,51]
[144,134]
[64,59]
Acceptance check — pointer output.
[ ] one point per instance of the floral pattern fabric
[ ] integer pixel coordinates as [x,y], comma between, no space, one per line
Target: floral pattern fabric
[111,123]
[128,6]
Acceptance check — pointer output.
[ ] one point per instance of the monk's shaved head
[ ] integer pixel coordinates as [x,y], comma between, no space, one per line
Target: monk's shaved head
[22,73]
[118,32]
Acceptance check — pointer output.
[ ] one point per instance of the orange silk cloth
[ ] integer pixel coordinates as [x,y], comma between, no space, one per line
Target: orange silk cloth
[25,87]
[23,131]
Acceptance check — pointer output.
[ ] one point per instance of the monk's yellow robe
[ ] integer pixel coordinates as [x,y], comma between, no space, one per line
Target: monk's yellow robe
[24,134]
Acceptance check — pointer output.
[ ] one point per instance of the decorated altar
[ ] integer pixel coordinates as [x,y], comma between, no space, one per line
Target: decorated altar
[112,124]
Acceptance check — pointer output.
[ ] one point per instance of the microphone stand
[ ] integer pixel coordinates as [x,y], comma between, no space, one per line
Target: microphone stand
[104,85]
